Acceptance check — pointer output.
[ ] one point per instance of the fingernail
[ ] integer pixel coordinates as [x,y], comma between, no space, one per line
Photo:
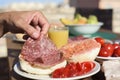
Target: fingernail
[35,35]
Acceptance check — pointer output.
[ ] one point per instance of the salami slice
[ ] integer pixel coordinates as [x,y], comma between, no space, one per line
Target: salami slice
[41,52]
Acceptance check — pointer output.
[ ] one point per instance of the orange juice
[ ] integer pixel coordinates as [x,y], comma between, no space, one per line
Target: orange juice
[59,35]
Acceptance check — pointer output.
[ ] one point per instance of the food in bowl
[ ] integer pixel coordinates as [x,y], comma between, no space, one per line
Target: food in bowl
[82,25]
[79,19]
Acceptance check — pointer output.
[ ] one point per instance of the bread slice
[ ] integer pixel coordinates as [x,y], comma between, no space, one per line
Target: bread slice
[25,66]
[79,51]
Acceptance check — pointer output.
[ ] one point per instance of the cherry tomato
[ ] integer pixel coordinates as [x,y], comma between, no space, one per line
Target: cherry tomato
[106,50]
[108,47]
[115,45]
[73,69]
[66,73]
[87,66]
[117,52]
[104,53]
[100,40]
[57,73]
[79,68]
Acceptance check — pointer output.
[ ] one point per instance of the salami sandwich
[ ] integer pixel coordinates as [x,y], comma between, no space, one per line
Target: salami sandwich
[40,56]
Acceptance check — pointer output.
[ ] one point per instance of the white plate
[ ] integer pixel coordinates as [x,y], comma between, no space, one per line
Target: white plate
[42,77]
[108,58]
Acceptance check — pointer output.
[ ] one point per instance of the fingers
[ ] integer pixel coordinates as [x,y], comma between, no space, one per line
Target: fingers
[43,23]
[31,31]
[40,21]
[34,21]
[34,25]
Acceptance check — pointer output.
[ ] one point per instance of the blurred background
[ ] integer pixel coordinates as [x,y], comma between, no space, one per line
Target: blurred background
[107,11]
[52,9]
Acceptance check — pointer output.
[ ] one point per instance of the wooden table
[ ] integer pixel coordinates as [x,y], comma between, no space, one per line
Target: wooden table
[13,52]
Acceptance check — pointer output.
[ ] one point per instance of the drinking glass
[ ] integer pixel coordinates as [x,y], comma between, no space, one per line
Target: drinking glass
[59,35]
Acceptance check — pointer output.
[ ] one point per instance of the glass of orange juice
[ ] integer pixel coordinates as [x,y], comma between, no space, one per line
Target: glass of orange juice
[59,35]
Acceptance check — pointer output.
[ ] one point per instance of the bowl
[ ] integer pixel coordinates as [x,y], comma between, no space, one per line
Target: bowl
[84,29]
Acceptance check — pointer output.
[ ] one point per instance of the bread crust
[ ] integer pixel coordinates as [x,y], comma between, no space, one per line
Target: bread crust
[25,66]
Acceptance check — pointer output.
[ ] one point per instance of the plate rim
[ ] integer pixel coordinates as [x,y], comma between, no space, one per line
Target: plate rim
[108,58]
[16,68]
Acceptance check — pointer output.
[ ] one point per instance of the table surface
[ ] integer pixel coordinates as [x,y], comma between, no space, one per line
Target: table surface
[14,49]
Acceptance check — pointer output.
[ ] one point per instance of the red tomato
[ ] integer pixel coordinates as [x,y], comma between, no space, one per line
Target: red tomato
[115,45]
[100,40]
[104,53]
[117,52]
[108,47]
[57,73]
[106,50]
[87,66]
[73,69]
[65,73]
[79,69]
